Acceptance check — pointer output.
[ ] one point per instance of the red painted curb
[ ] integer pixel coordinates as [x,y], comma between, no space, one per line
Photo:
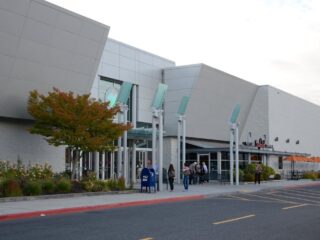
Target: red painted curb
[96,207]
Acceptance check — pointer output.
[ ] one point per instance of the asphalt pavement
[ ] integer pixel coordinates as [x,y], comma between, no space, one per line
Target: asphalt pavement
[291,212]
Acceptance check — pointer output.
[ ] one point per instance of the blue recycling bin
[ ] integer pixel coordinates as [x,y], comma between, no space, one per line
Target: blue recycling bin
[148,179]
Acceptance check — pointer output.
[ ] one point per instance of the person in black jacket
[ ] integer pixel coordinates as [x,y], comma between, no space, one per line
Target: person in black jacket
[171,176]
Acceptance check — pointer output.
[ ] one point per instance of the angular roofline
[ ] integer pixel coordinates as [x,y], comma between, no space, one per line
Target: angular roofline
[141,50]
[74,14]
[292,95]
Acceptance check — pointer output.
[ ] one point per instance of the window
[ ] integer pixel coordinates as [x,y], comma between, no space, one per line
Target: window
[109,85]
[280,163]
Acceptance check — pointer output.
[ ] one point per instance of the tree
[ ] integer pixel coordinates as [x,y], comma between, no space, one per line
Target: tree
[77,121]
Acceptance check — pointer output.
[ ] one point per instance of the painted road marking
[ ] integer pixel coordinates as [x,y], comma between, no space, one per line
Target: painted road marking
[296,206]
[275,199]
[245,191]
[304,191]
[234,219]
[303,199]
[148,238]
[303,195]
[241,198]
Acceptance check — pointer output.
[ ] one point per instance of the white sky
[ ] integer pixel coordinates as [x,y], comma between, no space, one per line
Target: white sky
[274,42]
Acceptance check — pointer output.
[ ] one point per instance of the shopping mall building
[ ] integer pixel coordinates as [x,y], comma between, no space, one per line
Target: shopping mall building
[44,46]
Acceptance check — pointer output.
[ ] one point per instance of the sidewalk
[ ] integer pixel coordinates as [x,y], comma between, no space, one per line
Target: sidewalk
[44,207]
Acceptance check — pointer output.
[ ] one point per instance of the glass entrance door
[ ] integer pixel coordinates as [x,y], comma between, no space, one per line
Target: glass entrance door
[206,159]
[142,157]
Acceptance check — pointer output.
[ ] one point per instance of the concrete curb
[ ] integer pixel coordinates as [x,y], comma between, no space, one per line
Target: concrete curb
[65,195]
[44,213]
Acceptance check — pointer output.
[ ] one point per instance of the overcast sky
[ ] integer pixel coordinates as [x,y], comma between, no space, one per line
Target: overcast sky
[274,42]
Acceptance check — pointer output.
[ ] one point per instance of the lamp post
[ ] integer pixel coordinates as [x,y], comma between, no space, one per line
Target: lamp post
[157,118]
[122,100]
[234,137]
[181,126]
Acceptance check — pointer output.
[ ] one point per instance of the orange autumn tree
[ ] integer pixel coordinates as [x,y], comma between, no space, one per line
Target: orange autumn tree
[77,121]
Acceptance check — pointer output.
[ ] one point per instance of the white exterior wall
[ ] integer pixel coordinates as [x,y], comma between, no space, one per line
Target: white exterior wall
[180,81]
[213,96]
[18,142]
[44,46]
[295,119]
[256,121]
[41,46]
[126,63]
[170,153]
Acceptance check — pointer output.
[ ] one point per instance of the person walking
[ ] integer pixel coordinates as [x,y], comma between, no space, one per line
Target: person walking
[192,172]
[171,176]
[258,173]
[186,173]
[205,171]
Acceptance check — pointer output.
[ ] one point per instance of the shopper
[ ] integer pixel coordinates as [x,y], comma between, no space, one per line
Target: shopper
[171,176]
[186,173]
[258,173]
[192,172]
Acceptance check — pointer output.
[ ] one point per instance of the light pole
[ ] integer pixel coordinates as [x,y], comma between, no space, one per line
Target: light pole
[234,132]
[181,126]
[157,118]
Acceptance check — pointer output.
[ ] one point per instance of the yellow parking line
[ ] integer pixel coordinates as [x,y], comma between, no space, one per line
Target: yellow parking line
[296,206]
[234,219]
[148,238]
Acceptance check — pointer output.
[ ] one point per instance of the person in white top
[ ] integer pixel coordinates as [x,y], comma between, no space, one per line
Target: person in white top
[204,171]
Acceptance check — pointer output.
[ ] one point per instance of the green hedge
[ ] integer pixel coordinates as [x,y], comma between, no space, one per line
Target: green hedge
[250,170]
[310,175]
[32,188]
[11,188]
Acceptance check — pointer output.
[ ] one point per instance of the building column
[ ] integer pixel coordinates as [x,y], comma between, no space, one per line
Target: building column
[219,157]
[112,165]
[103,165]
[249,158]
[95,156]
[264,160]
[80,167]
[134,164]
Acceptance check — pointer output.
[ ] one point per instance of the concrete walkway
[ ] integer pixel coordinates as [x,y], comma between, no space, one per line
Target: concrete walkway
[32,208]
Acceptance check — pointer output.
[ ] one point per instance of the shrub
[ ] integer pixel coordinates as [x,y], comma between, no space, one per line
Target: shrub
[266,172]
[65,175]
[11,188]
[48,186]
[310,175]
[1,187]
[113,184]
[89,181]
[76,186]
[88,185]
[63,185]
[100,186]
[249,172]
[39,172]
[121,184]
[277,176]
[32,188]
[12,171]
